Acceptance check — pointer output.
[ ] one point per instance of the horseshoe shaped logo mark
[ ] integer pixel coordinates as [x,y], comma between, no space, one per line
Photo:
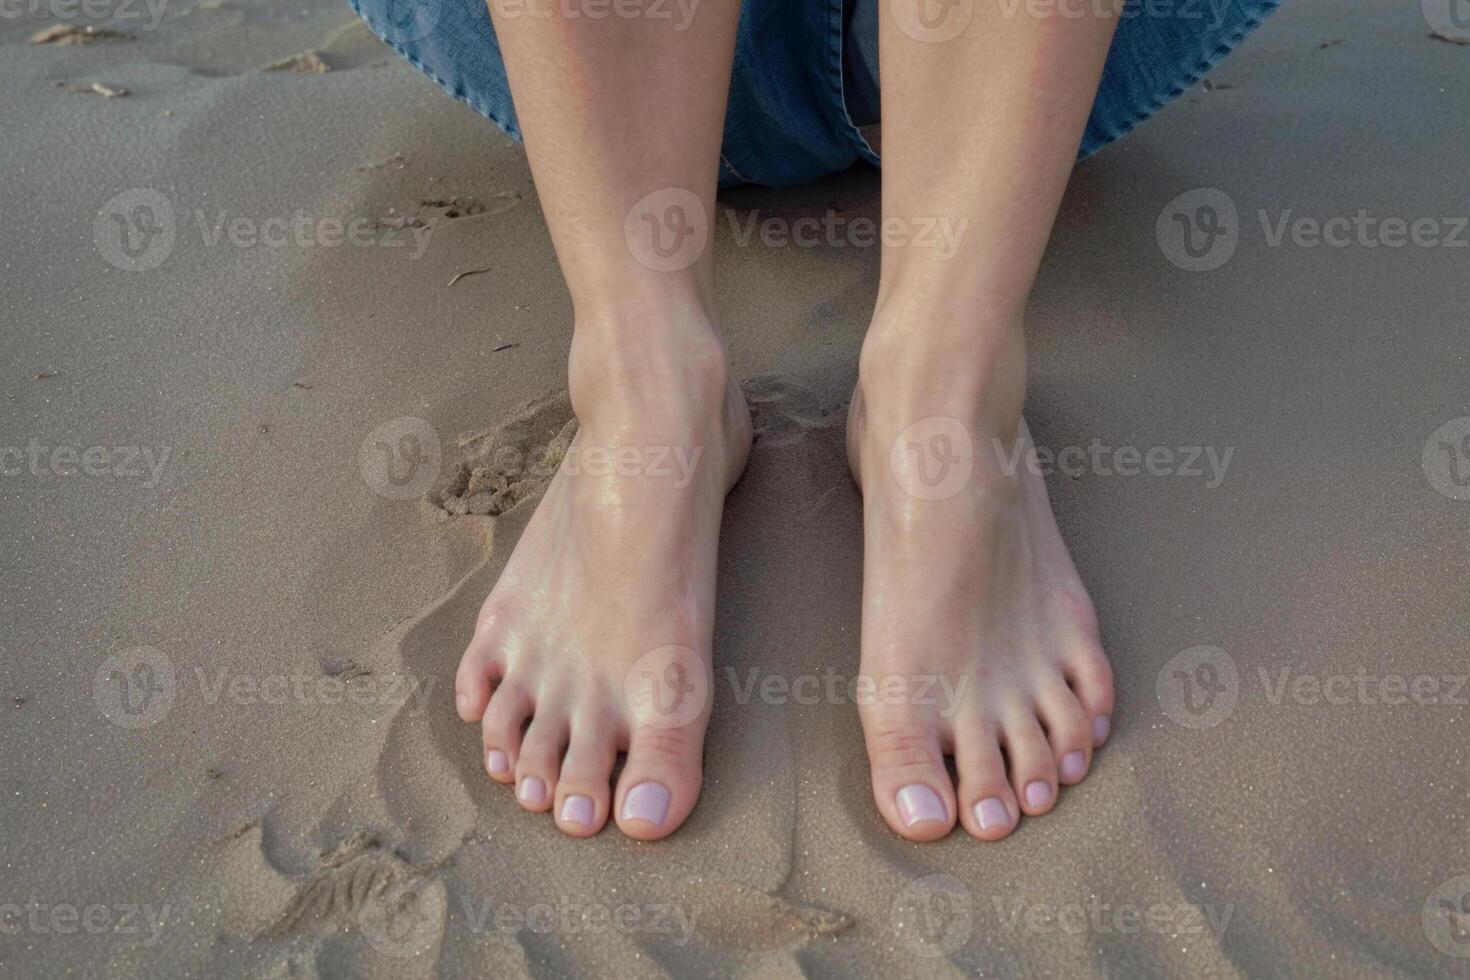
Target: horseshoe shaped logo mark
[668,687]
[134,231]
[667,230]
[1199,230]
[933,459]
[400,459]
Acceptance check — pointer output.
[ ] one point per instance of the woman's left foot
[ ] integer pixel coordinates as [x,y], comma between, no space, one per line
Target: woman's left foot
[978,638]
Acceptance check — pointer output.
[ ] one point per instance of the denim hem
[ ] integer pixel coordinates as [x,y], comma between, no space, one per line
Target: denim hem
[1097,135]
[458,92]
[787,119]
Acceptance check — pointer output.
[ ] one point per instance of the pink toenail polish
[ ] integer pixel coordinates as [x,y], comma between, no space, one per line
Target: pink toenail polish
[533,790]
[578,809]
[918,803]
[497,762]
[1100,728]
[647,801]
[1038,794]
[991,812]
[1073,766]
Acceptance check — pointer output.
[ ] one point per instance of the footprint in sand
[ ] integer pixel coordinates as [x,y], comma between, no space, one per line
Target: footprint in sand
[308,62]
[505,464]
[396,907]
[511,462]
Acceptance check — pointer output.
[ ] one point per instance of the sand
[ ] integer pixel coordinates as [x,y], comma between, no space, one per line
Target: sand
[230,628]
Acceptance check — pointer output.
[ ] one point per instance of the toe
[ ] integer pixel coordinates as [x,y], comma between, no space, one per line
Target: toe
[911,787]
[500,730]
[1033,770]
[1091,679]
[582,791]
[660,781]
[988,808]
[539,764]
[472,682]
[1069,730]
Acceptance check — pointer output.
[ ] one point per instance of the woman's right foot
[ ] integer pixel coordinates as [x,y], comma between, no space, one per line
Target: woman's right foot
[596,638]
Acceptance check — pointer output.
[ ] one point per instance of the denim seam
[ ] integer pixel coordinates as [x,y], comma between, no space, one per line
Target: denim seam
[454,91]
[834,83]
[734,115]
[1260,10]
[740,176]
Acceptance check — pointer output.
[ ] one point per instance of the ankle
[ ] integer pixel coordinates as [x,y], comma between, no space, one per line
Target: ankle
[632,299]
[973,367]
[647,365]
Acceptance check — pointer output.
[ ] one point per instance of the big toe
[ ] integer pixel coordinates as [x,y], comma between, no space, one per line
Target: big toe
[660,781]
[911,787]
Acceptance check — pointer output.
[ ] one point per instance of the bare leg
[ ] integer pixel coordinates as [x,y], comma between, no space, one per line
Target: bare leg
[612,584]
[965,574]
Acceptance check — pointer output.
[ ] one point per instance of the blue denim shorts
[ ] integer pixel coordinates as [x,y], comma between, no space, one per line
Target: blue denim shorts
[804,80]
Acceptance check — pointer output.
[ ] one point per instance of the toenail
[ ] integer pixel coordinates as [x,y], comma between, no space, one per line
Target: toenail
[1038,794]
[1073,766]
[918,803]
[533,790]
[497,762]
[1100,728]
[578,810]
[647,801]
[991,812]
[461,701]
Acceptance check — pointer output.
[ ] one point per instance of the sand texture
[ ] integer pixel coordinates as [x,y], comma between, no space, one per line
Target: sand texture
[266,498]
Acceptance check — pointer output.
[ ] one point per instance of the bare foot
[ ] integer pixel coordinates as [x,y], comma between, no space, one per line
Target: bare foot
[973,614]
[597,635]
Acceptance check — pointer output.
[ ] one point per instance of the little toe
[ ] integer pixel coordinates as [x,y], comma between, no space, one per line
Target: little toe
[911,786]
[988,808]
[1091,679]
[660,781]
[473,680]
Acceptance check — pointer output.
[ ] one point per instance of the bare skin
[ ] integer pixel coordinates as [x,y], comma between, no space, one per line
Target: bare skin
[614,565]
[973,586]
